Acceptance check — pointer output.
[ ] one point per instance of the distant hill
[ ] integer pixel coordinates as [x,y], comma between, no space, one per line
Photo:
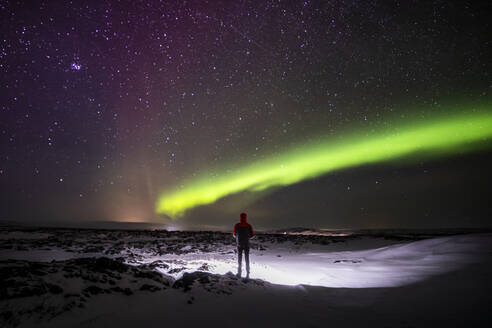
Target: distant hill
[379,232]
[109,225]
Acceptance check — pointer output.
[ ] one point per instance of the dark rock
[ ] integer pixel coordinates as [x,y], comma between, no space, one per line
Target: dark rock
[204,267]
[189,279]
[94,290]
[93,249]
[156,264]
[150,288]
[54,289]
[101,264]
[176,270]
[6,315]
[28,291]
[153,275]
[117,289]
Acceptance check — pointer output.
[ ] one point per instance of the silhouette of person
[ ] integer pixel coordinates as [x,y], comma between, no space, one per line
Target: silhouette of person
[243,232]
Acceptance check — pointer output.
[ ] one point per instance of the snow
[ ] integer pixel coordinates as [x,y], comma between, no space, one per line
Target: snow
[389,266]
[296,281]
[22,235]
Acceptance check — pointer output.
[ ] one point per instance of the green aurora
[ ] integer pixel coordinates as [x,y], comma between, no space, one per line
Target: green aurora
[444,135]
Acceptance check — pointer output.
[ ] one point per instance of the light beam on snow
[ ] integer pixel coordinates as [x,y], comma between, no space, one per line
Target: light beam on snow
[392,265]
[444,135]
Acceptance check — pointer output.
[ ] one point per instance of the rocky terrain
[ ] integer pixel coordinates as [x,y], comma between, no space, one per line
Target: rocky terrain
[54,277]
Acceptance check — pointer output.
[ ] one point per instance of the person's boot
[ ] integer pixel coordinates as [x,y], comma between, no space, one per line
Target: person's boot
[247,275]
[238,272]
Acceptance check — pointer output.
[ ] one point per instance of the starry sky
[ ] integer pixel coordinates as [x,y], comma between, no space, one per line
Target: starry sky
[105,105]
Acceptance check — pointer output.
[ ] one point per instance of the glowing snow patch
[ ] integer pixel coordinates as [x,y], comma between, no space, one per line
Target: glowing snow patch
[441,136]
[389,266]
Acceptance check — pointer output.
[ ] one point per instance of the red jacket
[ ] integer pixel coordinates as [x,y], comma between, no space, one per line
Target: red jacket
[243,231]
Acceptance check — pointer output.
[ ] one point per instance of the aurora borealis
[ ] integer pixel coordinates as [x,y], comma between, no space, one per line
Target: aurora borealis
[435,137]
[326,114]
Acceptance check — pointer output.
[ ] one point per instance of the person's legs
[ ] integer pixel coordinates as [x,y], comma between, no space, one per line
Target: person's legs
[246,259]
[239,260]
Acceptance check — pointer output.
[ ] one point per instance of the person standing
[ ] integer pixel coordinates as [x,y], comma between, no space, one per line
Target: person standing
[243,232]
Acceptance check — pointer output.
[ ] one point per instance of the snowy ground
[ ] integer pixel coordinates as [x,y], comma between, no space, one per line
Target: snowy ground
[104,278]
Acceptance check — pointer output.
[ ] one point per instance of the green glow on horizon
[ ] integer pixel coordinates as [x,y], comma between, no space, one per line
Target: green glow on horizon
[440,136]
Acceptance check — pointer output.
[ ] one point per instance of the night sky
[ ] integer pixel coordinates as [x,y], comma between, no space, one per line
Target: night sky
[106,105]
